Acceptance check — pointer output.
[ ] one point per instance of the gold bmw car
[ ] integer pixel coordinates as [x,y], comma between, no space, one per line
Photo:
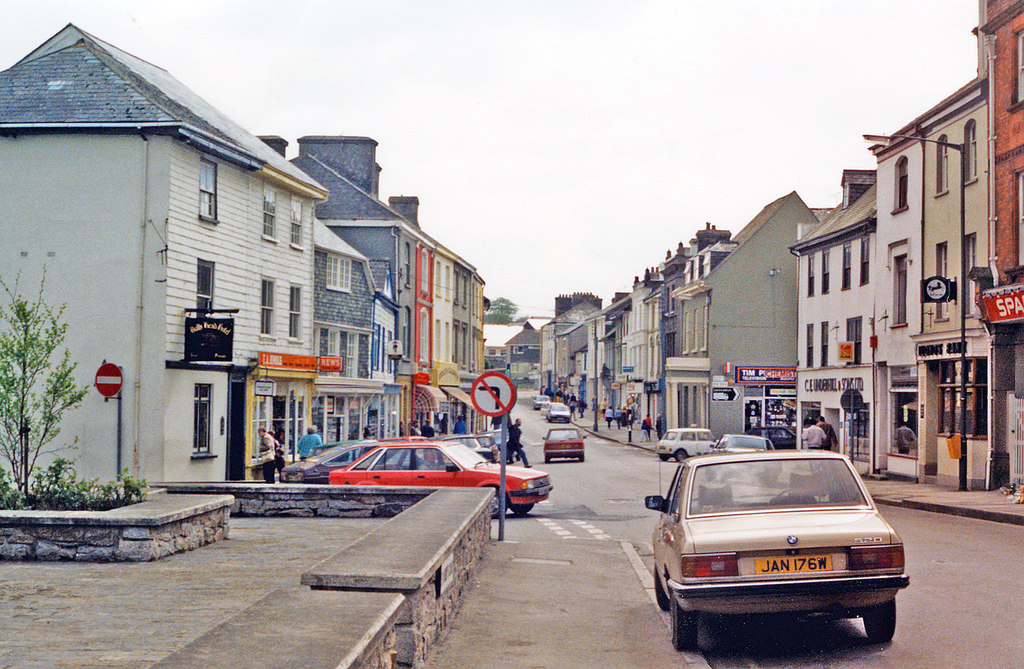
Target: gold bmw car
[774,532]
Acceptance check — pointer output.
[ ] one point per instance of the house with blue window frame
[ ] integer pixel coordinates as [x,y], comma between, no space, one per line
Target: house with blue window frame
[351,400]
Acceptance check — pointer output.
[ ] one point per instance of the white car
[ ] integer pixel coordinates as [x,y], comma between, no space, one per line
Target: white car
[558,413]
[540,401]
[682,442]
[774,532]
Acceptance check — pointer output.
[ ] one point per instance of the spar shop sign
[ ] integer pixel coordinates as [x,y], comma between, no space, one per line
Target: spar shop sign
[1004,304]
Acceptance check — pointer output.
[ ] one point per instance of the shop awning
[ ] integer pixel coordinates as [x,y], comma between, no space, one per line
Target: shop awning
[457,393]
[427,398]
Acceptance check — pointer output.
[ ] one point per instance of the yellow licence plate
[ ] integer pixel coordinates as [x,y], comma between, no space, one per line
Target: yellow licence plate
[792,564]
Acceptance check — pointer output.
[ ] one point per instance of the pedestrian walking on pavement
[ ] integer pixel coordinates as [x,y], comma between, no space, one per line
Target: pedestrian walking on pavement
[267,447]
[609,416]
[514,448]
[813,436]
[645,429]
[617,414]
[831,440]
[308,442]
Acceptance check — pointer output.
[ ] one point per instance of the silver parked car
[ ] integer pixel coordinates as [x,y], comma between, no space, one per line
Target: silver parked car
[774,532]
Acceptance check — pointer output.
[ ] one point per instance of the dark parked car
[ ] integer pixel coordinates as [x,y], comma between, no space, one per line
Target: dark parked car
[781,437]
[317,468]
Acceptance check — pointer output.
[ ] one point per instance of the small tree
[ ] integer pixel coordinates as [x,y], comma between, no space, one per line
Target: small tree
[37,385]
[502,311]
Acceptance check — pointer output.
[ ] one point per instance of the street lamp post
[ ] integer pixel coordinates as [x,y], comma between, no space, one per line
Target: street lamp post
[962,150]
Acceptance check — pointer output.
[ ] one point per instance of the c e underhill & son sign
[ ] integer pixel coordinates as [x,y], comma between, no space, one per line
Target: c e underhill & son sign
[833,384]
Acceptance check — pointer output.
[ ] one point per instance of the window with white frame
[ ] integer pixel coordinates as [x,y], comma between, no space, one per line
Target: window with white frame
[1020,66]
[269,212]
[810,275]
[899,290]
[448,283]
[941,267]
[810,344]
[204,284]
[351,344]
[202,406]
[1020,218]
[971,151]
[941,166]
[295,312]
[296,221]
[865,260]
[424,270]
[824,271]
[266,307]
[208,190]
[338,273]
[902,184]
[424,336]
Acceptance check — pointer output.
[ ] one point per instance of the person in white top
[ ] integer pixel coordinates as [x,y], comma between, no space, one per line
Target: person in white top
[813,436]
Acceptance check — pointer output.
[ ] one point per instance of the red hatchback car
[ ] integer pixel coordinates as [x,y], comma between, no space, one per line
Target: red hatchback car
[449,463]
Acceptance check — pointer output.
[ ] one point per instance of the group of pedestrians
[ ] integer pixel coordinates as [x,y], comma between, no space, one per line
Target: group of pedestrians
[272,448]
[819,435]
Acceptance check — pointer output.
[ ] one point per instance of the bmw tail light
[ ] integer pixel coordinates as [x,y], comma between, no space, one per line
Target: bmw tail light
[876,557]
[710,565]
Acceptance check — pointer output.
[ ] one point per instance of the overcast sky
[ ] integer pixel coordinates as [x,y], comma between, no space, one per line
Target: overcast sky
[558,146]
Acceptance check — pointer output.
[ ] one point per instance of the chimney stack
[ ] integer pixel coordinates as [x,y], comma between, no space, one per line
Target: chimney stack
[408,206]
[710,236]
[855,182]
[355,158]
[275,142]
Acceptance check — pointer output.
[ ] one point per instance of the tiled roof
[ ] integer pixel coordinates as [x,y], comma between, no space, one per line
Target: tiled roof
[839,219]
[380,269]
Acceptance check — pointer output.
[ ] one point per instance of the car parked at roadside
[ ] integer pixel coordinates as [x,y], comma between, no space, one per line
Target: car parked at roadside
[791,532]
[741,443]
[540,400]
[488,451]
[564,442]
[436,464]
[682,442]
[780,436]
[317,468]
[558,413]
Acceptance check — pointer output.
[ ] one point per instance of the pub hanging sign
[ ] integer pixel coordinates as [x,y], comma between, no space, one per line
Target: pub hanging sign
[209,339]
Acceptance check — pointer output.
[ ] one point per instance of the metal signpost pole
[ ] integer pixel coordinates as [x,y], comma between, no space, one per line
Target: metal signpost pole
[963,322]
[501,485]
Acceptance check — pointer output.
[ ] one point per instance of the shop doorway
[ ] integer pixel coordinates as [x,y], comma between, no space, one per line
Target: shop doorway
[1015,440]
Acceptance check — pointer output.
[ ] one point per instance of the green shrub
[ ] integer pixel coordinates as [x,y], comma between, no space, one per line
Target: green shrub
[10,496]
[57,488]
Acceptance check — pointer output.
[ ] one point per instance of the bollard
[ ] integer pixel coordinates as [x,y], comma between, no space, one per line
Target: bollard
[629,436]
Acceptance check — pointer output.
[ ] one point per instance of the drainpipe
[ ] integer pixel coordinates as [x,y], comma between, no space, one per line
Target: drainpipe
[140,314]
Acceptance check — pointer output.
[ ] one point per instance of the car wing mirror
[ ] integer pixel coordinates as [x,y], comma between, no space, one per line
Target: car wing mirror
[655,502]
[451,467]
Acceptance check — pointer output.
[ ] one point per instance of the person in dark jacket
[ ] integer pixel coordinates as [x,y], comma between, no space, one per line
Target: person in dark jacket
[831,440]
[514,448]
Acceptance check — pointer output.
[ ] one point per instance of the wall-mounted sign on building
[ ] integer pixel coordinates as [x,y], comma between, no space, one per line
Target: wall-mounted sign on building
[1004,304]
[264,388]
[287,361]
[766,375]
[846,350]
[209,339]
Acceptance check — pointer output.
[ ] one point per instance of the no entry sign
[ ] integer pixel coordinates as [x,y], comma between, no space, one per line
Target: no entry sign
[109,379]
[493,394]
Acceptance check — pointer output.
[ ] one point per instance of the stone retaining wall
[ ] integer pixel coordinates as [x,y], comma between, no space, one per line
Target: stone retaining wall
[150,530]
[428,554]
[294,499]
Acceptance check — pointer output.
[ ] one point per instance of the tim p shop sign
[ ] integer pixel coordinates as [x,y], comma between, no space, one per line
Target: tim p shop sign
[1004,304]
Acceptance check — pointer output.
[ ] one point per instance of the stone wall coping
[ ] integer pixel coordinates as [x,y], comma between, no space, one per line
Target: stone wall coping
[154,511]
[308,628]
[290,490]
[404,552]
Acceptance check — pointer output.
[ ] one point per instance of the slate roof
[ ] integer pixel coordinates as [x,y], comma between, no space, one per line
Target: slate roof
[380,269]
[77,81]
[324,238]
[839,220]
[347,201]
